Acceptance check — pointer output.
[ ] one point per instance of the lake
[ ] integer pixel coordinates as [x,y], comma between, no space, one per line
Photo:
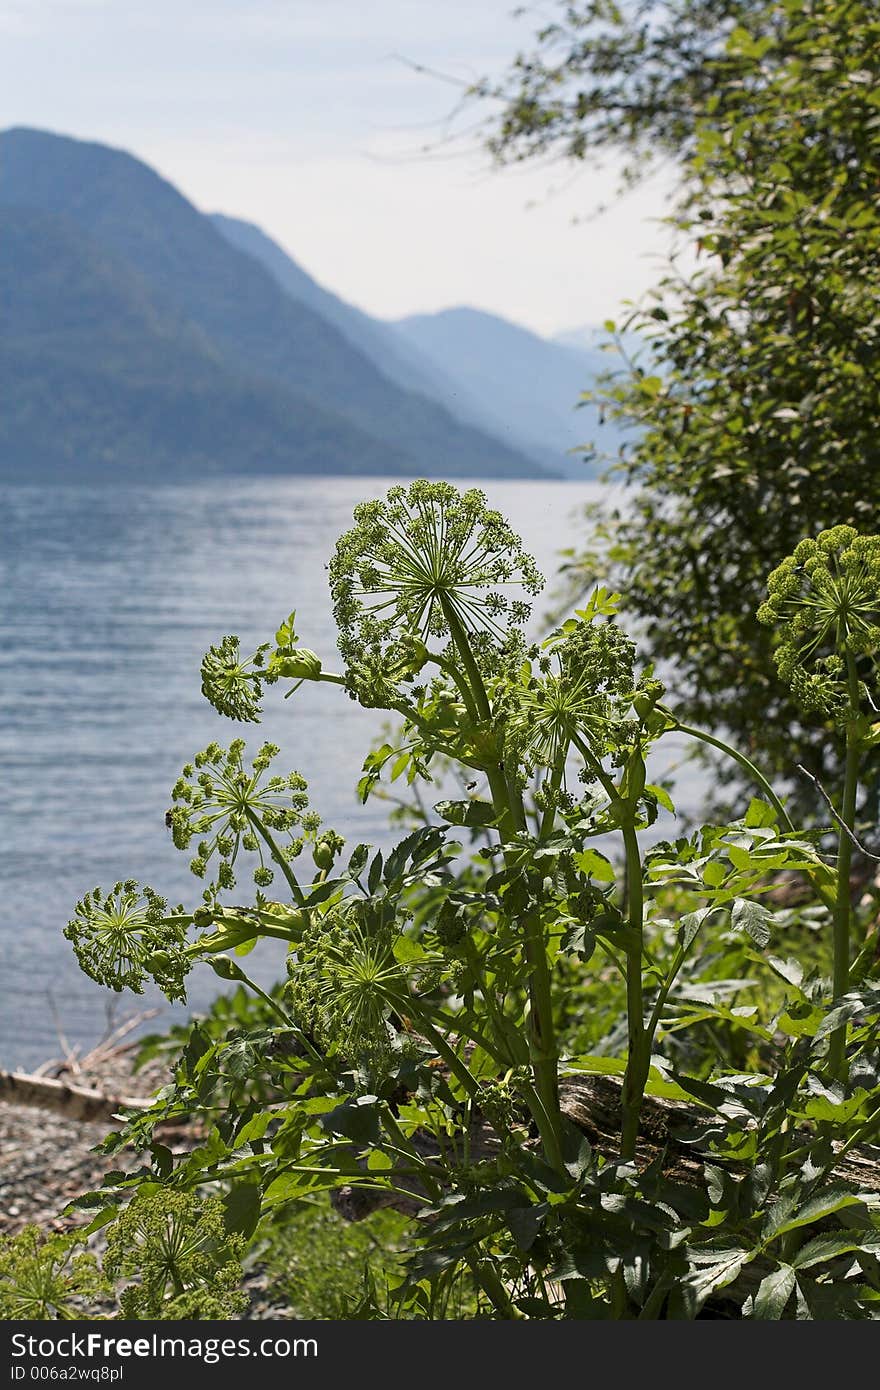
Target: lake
[108,600]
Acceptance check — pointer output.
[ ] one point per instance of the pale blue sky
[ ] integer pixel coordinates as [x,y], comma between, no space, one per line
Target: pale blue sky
[301,116]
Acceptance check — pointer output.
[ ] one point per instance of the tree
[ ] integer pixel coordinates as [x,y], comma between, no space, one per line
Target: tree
[633,76]
[756,407]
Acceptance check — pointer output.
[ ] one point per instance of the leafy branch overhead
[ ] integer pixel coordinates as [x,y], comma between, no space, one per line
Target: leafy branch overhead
[745,382]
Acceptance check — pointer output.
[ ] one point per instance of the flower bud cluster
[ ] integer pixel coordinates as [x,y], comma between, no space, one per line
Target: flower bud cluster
[123,938]
[824,601]
[227,807]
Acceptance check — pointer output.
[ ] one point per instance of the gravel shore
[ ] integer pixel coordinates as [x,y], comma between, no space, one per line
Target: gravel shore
[47,1159]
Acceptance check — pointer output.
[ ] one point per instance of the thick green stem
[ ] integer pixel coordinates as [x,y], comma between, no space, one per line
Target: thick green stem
[543,1051]
[638,1059]
[457,1067]
[548,819]
[842,905]
[639,1041]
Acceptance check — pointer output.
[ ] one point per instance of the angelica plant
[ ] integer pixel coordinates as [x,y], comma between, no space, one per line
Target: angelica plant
[824,602]
[415,1049]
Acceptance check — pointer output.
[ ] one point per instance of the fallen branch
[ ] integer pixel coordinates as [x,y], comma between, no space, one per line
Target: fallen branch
[73,1102]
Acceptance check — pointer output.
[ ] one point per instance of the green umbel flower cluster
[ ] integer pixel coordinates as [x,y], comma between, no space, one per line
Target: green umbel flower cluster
[345,981]
[47,1277]
[582,689]
[228,808]
[182,1261]
[123,938]
[234,687]
[425,564]
[825,602]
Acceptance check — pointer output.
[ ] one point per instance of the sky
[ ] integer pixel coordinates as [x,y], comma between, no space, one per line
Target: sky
[313,119]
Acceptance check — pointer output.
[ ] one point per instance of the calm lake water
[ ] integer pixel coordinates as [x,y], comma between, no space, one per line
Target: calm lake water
[108,600]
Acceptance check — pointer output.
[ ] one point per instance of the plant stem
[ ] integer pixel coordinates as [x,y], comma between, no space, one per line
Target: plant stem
[543,1050]
[548,819]
[638,1060]
[455,1064]
[842,906]
[639,1041]
[734,753]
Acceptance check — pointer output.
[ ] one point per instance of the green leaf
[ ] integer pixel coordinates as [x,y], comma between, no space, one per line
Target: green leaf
[375,876]
[595,865]
[789,970]
[242,1208]
[773,1294]
[690,924]
[658,1084]
[661,795]
[470,813]
[760,813]
[358,861]
[714,874]
[831,1244]
[356,1119]
[833,1199]
[751,918]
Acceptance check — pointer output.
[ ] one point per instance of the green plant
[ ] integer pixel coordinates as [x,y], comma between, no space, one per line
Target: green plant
[414,1055]
[47,1277]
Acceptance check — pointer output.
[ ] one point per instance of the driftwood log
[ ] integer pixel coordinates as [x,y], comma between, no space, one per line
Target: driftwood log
[73,1102]
[592,1103]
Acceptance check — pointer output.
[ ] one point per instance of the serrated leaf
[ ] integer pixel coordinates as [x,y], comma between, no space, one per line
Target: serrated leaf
[752,918]
[473,813]
[358,861]
[773,1294]
[241,1208]
[831,1244]
[661,795]
[595,866]
[789,970]
[826,1203]
[760,813]
[690,924]
[375,876]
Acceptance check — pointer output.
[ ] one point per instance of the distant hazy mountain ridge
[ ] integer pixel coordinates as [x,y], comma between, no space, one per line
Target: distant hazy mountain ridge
[496,375]
[141,338]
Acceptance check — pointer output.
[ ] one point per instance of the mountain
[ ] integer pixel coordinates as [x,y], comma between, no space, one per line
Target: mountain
[96,373]
[497,376]
[291,392]
[378,341]
[526,386]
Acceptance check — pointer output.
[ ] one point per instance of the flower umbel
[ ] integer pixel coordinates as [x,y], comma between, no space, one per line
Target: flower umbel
[44,1277]
[122,938]
[230,808]
[176,1249]
[420,564]
[233,686]
[582,688]
[345,982]
[825,602]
